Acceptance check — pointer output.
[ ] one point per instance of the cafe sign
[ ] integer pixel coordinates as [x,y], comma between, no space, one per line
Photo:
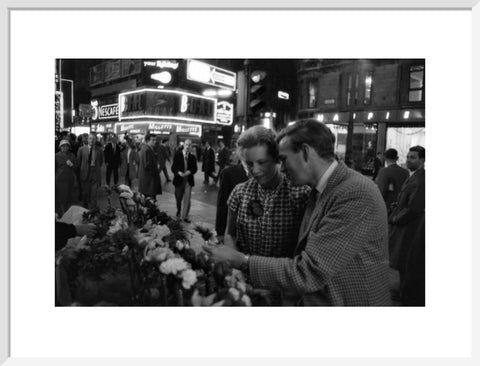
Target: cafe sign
[166,104]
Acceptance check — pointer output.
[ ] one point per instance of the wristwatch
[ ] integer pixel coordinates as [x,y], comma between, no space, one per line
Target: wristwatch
[244,265]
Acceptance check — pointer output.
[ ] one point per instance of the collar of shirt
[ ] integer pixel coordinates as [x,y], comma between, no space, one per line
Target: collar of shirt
[324,179]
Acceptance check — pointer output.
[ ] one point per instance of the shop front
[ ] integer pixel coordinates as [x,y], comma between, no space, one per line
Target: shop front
[376,131]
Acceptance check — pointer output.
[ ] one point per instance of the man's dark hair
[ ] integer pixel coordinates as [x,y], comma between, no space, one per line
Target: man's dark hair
[259,135]
[149,136]
[420,150]
[391,154]
[312,133]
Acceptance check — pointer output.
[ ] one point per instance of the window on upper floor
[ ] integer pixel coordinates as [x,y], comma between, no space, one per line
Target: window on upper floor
[312,94]
[416,83]
[367,95]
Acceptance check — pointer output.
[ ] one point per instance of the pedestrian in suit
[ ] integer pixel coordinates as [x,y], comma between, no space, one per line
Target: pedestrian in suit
[208,166]
[184,167]
[113,159]
[407,213]
[223,158]
[390,179]
[163,155]
[229,178]
[148,175]
[132,161]
[90,161]
[341,257]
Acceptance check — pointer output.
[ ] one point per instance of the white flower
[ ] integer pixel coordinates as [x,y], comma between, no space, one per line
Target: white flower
[130,202]
[114,228]
[142,239]
[148,225]
[173,266]
[246,300]
[125,249]
[198,300]
[159,231]
[189,277]
[242,286]
[180,244]
[126,195]
[124,188]
[158,254]
[235,293]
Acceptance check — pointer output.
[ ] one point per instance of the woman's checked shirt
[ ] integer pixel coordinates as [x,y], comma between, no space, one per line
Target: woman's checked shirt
[271,228]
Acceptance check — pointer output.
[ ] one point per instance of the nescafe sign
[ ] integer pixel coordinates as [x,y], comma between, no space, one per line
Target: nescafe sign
[224,113]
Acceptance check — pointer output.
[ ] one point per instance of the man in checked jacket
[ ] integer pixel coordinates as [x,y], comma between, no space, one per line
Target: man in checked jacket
[341,257]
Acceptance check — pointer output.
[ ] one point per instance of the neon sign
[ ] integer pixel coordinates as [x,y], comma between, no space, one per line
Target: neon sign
[167,104]
[159,127]
[211,75]
[225,113]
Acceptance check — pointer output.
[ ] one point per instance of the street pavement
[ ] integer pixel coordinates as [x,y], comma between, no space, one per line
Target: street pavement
[203,203]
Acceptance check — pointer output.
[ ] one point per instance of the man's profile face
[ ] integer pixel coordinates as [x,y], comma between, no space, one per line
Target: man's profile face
[293,163]
[413,161]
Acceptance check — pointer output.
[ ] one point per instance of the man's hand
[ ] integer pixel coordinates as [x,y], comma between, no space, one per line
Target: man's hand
[187,173]
[86,229]
[225,253]
[181,174]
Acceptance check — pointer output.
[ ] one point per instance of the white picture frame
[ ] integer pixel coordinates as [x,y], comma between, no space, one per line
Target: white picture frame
[471,214]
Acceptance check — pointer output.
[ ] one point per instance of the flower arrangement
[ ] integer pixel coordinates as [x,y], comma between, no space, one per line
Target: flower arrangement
[141,256]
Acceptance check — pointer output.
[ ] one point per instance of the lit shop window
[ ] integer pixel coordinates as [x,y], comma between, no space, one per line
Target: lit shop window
[312,94]
[368,88]
[417,84]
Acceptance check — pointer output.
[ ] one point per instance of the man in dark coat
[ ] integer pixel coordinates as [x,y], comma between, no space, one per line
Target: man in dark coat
[407,213]
[229,178]
[163,155]
[208,166]
[148,175]
[223,158]
[390,179]
[184,167]
[113,159]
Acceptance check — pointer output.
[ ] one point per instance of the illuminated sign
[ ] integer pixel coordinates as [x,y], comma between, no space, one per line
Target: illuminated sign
[106,111]
[329,101]
[225,113]
[162,64]
[58,109]
[159,127]
[211,75]
[102,127]
[283,95]
[167,104]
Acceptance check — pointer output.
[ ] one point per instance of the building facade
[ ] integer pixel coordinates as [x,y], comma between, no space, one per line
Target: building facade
[370,105]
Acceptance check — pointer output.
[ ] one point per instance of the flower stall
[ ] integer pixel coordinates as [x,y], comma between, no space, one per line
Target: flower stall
[140,256]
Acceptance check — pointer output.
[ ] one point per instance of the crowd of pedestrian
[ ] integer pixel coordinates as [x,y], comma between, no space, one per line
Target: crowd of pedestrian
[294,218]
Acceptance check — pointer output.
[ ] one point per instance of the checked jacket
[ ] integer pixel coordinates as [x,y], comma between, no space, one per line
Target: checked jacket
[341,259]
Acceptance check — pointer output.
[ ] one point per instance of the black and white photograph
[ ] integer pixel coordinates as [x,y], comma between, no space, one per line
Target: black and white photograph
[240,182]
[218,183]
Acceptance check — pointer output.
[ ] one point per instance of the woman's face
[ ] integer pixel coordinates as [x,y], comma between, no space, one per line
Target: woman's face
[64,148]
[260,164]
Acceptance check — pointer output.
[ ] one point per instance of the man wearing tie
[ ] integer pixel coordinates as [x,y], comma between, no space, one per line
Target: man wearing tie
[183,168]
[90,160]
[341,257]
